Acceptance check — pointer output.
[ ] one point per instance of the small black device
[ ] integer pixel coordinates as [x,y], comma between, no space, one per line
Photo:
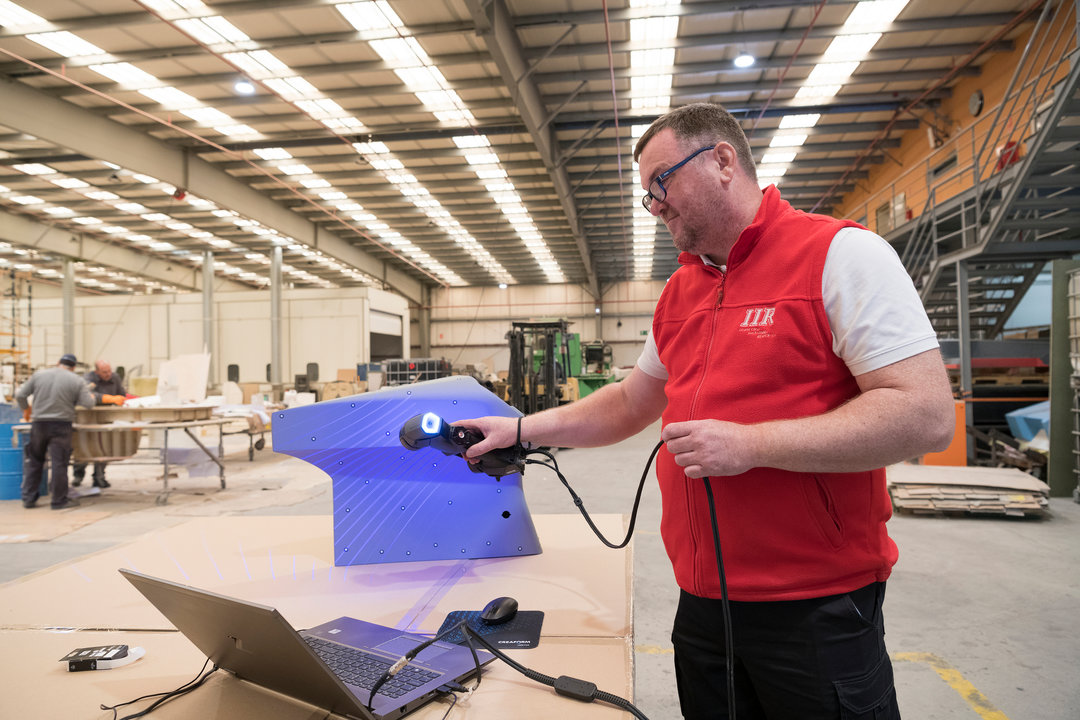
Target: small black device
[499,610]
[101,657]
[430,430]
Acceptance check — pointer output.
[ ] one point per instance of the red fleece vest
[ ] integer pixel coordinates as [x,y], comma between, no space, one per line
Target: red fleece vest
[752,346]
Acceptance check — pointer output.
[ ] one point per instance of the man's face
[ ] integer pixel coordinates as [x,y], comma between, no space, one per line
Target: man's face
[691,208]
[104,371]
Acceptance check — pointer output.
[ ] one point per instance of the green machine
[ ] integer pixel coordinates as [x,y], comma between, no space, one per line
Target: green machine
[549,366]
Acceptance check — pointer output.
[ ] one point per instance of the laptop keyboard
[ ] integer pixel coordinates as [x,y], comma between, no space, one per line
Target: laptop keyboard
[357,667]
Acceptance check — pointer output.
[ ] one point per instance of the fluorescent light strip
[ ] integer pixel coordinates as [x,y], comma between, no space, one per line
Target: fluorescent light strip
[652,91]
[857,37]
[133,208]
[13,16]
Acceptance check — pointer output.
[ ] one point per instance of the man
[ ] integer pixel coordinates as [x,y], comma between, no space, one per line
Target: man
[791,360]
[56,392]
[107,389]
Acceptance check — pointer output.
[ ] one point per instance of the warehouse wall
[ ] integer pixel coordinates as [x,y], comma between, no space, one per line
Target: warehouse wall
[328,327]
[469,325]
[903,179]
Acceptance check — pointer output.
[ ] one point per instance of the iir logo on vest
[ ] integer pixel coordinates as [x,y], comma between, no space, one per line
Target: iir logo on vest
[758,322]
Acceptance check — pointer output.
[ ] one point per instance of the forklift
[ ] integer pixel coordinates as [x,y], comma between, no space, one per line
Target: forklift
[549,366]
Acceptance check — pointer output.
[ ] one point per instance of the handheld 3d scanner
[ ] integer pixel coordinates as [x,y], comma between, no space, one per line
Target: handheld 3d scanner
[430,430]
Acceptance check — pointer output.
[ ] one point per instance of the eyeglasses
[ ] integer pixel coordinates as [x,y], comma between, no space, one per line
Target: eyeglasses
[657,191]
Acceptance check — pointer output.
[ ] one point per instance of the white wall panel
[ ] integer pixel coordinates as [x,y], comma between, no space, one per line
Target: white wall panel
[328,327]
[469,325]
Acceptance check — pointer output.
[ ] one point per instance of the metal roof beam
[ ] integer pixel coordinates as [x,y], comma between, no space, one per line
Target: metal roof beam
[681,70]
[793,34]
[493,25]
[69,126]
[23,231]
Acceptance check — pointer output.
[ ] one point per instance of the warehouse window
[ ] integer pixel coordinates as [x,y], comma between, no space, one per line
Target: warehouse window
[943,167]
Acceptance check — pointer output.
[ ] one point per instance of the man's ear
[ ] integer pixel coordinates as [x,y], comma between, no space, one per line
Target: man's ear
[726,159]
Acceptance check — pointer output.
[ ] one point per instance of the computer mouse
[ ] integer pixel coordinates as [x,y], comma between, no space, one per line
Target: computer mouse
[499,610]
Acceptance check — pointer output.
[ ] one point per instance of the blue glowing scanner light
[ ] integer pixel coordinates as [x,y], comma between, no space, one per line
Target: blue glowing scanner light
[392,504]
[431,423]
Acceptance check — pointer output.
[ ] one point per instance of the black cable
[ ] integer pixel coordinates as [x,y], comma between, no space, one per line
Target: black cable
[729,645]
[408,657]
[187,687]
[563,685]
[554,467]
[453,702]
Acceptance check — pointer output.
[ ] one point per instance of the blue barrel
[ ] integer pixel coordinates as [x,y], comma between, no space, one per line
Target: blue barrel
[10,473]
[11,466]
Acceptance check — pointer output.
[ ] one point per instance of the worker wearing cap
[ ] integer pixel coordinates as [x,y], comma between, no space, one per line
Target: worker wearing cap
[107,389]
[56,391]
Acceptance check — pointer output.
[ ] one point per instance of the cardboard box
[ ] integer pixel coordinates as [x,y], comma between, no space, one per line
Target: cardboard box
[249,389]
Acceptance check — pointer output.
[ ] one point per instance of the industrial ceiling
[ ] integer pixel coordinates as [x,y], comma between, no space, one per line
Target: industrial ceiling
[417,143]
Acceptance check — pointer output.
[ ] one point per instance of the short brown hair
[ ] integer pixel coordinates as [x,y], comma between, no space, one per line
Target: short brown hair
[701,123]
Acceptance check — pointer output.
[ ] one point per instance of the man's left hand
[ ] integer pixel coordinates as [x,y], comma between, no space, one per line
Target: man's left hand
[711,448]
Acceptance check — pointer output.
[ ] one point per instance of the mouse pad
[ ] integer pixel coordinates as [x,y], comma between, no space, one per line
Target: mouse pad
[519,633]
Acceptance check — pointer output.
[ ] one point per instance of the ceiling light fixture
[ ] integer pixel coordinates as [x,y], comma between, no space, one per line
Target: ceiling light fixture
[243,86]
[744,60]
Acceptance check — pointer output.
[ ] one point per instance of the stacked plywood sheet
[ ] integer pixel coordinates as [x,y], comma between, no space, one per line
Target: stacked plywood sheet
[933,490]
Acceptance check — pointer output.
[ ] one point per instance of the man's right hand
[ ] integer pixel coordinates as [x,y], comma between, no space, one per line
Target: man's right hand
[498,432]
[26,414]
[112,399]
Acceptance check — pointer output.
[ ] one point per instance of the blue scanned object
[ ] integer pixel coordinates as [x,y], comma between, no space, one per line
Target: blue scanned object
[392,504]
[1026,422]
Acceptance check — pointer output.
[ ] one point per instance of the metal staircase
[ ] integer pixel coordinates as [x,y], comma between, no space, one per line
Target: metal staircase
[1023,208]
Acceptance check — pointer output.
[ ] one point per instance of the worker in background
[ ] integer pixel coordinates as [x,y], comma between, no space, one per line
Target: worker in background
[56,392]
[107,389]
[790,360]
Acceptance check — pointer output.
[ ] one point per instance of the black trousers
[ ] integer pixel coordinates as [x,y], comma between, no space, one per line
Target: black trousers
[79,470]
[52,437]
[817,659]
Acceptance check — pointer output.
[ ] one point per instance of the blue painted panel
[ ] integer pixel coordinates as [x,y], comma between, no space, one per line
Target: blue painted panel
[392,504]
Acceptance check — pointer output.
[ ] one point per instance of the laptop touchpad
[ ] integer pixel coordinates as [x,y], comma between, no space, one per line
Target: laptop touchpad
[403,644]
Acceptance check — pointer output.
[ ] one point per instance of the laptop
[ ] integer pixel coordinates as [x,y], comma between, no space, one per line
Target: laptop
[332,666]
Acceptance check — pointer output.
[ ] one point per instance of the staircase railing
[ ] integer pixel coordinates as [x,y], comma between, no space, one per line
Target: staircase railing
[1027,105]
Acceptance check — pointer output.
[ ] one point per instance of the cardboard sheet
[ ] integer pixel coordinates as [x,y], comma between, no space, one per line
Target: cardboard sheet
[1009,478]
[38,686]
[40,523]
[286,562]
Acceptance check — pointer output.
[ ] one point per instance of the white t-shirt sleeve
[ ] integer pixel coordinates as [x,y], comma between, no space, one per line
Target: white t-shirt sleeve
[875,314]
[649,360]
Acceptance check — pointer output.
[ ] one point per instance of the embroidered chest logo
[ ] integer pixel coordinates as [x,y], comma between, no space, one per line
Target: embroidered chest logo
[758,322]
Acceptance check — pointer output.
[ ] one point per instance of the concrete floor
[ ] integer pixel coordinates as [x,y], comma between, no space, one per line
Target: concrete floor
[981,614]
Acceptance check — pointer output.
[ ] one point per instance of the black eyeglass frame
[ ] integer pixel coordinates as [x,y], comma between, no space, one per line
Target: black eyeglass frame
[658,181]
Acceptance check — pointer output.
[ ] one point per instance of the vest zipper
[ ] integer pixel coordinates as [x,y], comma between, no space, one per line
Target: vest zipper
[693,412]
